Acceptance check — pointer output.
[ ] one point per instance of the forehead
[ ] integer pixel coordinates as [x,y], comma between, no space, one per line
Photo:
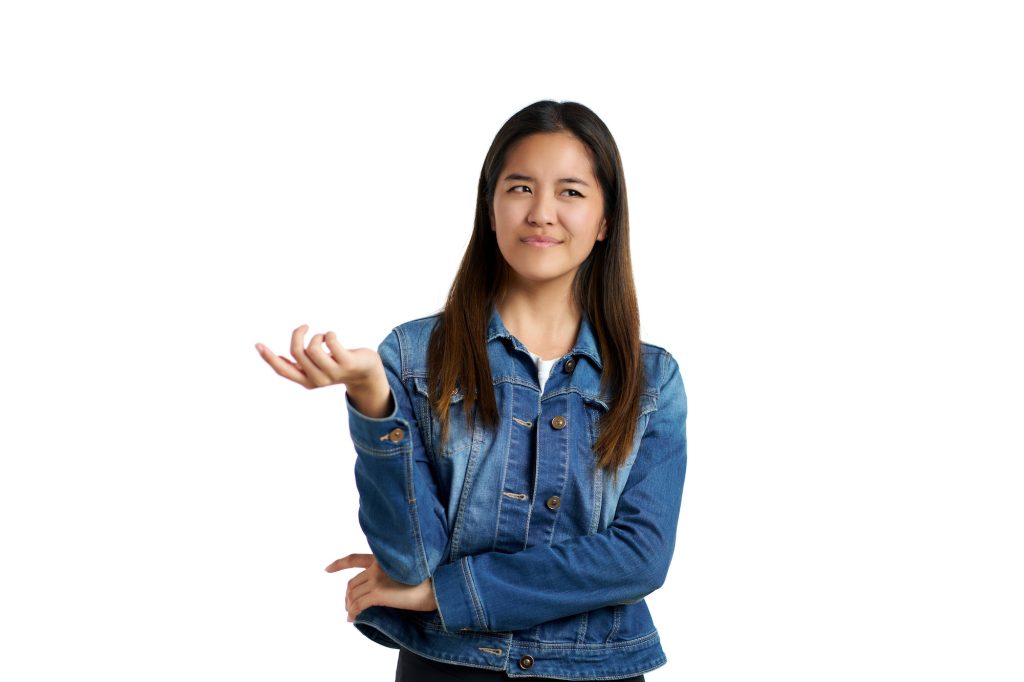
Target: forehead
[543,155]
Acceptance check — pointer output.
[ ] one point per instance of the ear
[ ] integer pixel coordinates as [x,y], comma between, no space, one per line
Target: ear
[603,232]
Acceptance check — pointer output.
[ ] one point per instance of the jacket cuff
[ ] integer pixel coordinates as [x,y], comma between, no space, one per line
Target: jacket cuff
[378,435]
[457,600]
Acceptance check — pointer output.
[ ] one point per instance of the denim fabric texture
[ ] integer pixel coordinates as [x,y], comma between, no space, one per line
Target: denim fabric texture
[540,560]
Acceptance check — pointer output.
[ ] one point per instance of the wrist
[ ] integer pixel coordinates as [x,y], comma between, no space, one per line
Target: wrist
[371,397]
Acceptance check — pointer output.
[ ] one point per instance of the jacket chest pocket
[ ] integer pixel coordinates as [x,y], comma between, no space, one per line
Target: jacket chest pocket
[460,434]
[595,408]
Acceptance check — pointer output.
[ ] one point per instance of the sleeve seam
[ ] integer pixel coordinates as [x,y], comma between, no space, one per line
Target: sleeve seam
[478,607]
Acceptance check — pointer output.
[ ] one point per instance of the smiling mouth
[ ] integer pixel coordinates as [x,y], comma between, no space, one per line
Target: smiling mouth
[540,243]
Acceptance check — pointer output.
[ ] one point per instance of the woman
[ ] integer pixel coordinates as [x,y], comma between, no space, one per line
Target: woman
[521,454]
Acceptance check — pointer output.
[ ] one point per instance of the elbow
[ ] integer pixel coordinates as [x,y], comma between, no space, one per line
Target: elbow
[399,568]
[410,565]
[650,555]
[642,583]
[653,577]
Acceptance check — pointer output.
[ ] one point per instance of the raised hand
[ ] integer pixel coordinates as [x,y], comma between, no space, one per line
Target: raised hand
[314,367]
[373,587]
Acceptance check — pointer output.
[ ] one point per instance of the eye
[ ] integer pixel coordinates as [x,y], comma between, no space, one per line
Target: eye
[574,193]
[520,188]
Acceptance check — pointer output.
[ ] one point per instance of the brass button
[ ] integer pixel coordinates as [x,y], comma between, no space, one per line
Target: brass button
[558,422]
[553,502]
[570,365]
[396,435]
[526,662]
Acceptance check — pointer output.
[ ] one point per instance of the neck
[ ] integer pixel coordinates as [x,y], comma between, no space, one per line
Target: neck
[544,318]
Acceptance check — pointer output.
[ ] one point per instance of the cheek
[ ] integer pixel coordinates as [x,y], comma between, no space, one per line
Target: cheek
[503,219]
[588,226]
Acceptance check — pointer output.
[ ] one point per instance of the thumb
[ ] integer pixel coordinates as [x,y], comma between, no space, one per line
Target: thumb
[351,561]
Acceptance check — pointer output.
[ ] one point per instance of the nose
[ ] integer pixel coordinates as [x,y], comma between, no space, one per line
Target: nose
[542,211]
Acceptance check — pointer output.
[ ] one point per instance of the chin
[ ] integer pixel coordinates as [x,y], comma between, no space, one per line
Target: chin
[535,276]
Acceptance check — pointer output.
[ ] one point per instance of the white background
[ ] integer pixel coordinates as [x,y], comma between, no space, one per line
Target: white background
[825,204]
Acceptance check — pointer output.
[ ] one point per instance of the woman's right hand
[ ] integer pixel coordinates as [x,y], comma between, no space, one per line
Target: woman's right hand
[314,368]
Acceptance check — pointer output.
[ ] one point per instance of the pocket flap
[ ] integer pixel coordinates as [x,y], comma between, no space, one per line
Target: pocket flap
[423,388]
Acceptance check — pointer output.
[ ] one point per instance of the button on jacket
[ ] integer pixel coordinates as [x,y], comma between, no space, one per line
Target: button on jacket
[540,560]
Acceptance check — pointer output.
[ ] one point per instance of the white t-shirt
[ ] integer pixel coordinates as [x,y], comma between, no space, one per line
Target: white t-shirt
[543,368]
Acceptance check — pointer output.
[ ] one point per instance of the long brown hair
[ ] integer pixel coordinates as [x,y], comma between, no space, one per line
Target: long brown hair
[603,288]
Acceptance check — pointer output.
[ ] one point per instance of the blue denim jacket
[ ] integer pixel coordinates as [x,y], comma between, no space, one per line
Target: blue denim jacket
[540,560]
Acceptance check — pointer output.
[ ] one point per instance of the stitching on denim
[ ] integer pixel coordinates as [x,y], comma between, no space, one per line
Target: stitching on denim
[595,519]
[504,476]
[421,410]
[598,485]
[460,516]
[369,449]
[517,643]
[433,588]
[533,488]
[616,619]
[471,586]
[627,644]
[522,422]
[446,449]
[564,475]
[403,350]
[581,632]
[515,496]
[646,662]
[417,536]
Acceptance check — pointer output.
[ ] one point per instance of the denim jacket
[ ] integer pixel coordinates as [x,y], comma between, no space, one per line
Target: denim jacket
[540,560]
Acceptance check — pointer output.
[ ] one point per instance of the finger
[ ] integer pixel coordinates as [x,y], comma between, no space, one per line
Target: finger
[291,363]
[359,580]
[314,375]
[323,361]
[350,561]
[319,362]
[358,596]
[356,587]
[357,592]
[337,350]
[283,366]
[360,605]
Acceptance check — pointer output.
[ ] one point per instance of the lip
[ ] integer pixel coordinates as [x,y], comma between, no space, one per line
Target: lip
[540,242]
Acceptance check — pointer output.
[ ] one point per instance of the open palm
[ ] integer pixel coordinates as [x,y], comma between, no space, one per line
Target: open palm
[315,367]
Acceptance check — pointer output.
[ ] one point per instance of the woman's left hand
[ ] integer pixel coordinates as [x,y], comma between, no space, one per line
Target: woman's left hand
[373,587]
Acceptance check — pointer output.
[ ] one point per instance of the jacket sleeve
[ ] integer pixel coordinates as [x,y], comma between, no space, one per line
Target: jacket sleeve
[501,592]
[399,509]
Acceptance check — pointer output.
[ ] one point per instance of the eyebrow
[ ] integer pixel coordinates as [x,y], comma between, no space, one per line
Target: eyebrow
[520,176]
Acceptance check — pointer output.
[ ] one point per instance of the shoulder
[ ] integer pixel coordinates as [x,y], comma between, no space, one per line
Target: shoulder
[408,343]
[660,367]
[420,328]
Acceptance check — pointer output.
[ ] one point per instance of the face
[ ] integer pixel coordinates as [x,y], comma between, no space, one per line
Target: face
[548,209]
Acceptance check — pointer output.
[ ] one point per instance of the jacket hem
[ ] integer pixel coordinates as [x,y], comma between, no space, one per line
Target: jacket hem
[502,651]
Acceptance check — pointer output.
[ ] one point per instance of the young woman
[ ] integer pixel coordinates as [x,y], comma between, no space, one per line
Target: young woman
[521,454]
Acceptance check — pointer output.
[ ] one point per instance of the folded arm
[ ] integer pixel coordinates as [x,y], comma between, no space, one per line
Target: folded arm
[495,591]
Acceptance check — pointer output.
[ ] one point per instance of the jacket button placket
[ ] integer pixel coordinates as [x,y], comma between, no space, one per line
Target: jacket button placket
[553,457]
[514,503]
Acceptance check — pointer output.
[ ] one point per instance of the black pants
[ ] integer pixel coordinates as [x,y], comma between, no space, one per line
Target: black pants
[414,668]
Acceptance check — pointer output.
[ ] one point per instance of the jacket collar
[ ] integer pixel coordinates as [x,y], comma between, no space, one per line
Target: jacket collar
[586,342]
